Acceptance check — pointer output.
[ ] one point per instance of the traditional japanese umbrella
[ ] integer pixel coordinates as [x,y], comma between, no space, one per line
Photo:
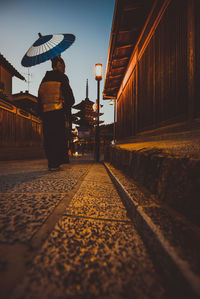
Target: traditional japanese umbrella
[47,47]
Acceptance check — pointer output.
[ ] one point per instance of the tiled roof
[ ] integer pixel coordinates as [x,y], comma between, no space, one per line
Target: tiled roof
[8,66]
[128,21]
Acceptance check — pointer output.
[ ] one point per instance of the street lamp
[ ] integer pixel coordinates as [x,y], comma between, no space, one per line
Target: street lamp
[98,77]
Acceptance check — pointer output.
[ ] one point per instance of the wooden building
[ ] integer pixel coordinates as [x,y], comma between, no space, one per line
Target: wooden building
[20,131]
[26,101]
[153,66]
[7,72]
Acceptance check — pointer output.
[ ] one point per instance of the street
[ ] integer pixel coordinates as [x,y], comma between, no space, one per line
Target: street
[66,234]
[122,219]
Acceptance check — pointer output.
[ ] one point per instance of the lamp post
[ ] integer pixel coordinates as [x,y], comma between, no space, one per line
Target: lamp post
[98,78]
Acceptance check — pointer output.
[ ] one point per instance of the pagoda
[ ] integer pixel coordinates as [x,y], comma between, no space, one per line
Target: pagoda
[85,118]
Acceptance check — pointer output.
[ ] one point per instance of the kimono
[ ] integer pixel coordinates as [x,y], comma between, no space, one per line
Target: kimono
[55,99]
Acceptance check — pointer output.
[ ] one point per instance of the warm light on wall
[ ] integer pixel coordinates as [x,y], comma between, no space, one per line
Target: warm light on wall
[98,71]
[128,73]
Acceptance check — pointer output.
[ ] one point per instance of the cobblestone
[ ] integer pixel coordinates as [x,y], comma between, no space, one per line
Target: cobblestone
[93,251]
[29,196]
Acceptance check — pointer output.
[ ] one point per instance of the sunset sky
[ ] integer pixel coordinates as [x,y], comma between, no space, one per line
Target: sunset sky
[89,20]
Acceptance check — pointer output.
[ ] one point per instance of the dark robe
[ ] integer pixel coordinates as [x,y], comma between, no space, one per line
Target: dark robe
[56,135]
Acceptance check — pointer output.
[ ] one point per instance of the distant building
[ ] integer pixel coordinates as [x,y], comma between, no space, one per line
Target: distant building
[26,101]
[7,72]
[107,132]
[22,100]
[86,117]
[21,132]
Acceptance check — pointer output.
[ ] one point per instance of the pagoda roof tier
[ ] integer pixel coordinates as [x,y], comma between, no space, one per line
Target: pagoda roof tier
[89,123]
[84,127]
[87,114]
[85,104]
[84,123]
[74,119]
[100,121]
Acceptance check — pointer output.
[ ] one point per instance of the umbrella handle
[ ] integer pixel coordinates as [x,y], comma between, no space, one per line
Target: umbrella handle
[40,35]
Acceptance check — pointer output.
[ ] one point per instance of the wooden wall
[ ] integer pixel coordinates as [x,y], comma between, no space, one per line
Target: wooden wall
[18,128]
[163,87]
[197,59]
[6,78]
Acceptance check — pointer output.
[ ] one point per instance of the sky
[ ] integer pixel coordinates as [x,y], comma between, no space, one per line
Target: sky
[89,20]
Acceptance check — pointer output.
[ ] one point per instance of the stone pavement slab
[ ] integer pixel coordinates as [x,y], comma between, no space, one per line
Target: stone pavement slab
[29,195]
[31,201]
[91,259]
[93,251]
[23,214]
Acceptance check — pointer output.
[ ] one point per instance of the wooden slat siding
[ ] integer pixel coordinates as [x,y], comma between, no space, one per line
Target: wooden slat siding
[119,119]
[134,94]
[154,80]
[118,123]
[124,116]
[16,130]
[161,94]
[7,128]
[145,96]
[129,111]
[170,70]
[37,132]
[126,109]
[197,60]
[132,112]
[136,97]
[120,116]
[191,57]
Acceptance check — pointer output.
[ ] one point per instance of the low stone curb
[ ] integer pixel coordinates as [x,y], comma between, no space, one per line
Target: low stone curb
[168,260]
[175,181]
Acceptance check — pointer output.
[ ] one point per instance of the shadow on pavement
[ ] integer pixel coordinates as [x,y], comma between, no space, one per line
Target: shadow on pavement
[9,181]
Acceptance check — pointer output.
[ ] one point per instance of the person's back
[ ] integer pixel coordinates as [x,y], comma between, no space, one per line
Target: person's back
[55,101]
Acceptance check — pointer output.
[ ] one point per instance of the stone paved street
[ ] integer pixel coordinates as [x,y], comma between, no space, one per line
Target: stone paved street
[66,234]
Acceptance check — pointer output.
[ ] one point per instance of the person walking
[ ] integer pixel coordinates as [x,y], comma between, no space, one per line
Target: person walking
[55,99]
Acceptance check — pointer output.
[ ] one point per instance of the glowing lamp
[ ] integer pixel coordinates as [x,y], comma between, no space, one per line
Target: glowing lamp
[98,77]
[98,71]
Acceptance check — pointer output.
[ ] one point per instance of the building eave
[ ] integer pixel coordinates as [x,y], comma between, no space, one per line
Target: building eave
[128,20]
[10,68]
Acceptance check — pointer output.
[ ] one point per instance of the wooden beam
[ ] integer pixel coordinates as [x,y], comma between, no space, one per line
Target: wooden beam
[132,6]
[116,77]
[128,30]
[120,59]
[118,67]
[111,89]
[124,46]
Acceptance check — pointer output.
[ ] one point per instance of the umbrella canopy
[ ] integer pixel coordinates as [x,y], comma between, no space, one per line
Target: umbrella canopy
[46,48]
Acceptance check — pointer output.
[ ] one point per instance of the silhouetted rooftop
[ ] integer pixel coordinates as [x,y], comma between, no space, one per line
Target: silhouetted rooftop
[8,66]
